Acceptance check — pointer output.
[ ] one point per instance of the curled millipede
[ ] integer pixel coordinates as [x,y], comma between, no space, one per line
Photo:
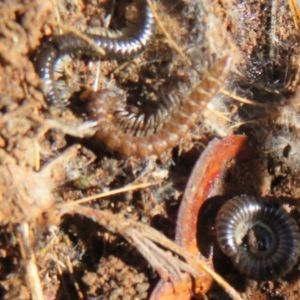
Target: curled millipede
[262,240]
[131,133]
[127,43]
[179,121]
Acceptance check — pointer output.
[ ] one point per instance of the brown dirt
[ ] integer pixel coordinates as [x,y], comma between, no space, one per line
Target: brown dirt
[42,166]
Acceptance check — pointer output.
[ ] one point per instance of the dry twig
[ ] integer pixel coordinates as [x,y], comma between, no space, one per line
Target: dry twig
[147,239]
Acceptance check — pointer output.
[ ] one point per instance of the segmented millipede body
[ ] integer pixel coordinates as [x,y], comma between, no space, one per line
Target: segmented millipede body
[178,124]
[129,133]
[128,43]
[262,240]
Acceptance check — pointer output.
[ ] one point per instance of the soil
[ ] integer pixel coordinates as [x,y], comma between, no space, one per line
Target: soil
[46,160]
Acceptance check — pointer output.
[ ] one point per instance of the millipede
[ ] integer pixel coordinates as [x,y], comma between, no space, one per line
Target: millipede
[261,238]
[167,136]
[124,44]
[139,134]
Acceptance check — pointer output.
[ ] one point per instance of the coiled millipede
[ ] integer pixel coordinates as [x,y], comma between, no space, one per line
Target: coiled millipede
[262,240]
[137,134]
[124,44]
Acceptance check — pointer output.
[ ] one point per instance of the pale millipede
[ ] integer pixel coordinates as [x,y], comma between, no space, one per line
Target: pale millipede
[128,43]
[178,123]
[259,236]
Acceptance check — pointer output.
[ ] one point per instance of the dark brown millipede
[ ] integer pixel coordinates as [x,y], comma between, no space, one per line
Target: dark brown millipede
[128,43]
[177,125]
[262,240]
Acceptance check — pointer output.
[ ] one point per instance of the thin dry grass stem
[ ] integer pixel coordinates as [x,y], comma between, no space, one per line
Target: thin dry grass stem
[166,261]
[58,265]
[272,30]
[224,284]
[167,35]
[137,233]
[109,17]
[170,260]
[66,265]
[151,258]
[56,12]
[37,158]
[75,283]
[98,63]
[219,114]
[110,193]
[83,130]
[166,258]
[81,35]
[295,12]
[241,99]
[257,122]
[280,148]
[31,271]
